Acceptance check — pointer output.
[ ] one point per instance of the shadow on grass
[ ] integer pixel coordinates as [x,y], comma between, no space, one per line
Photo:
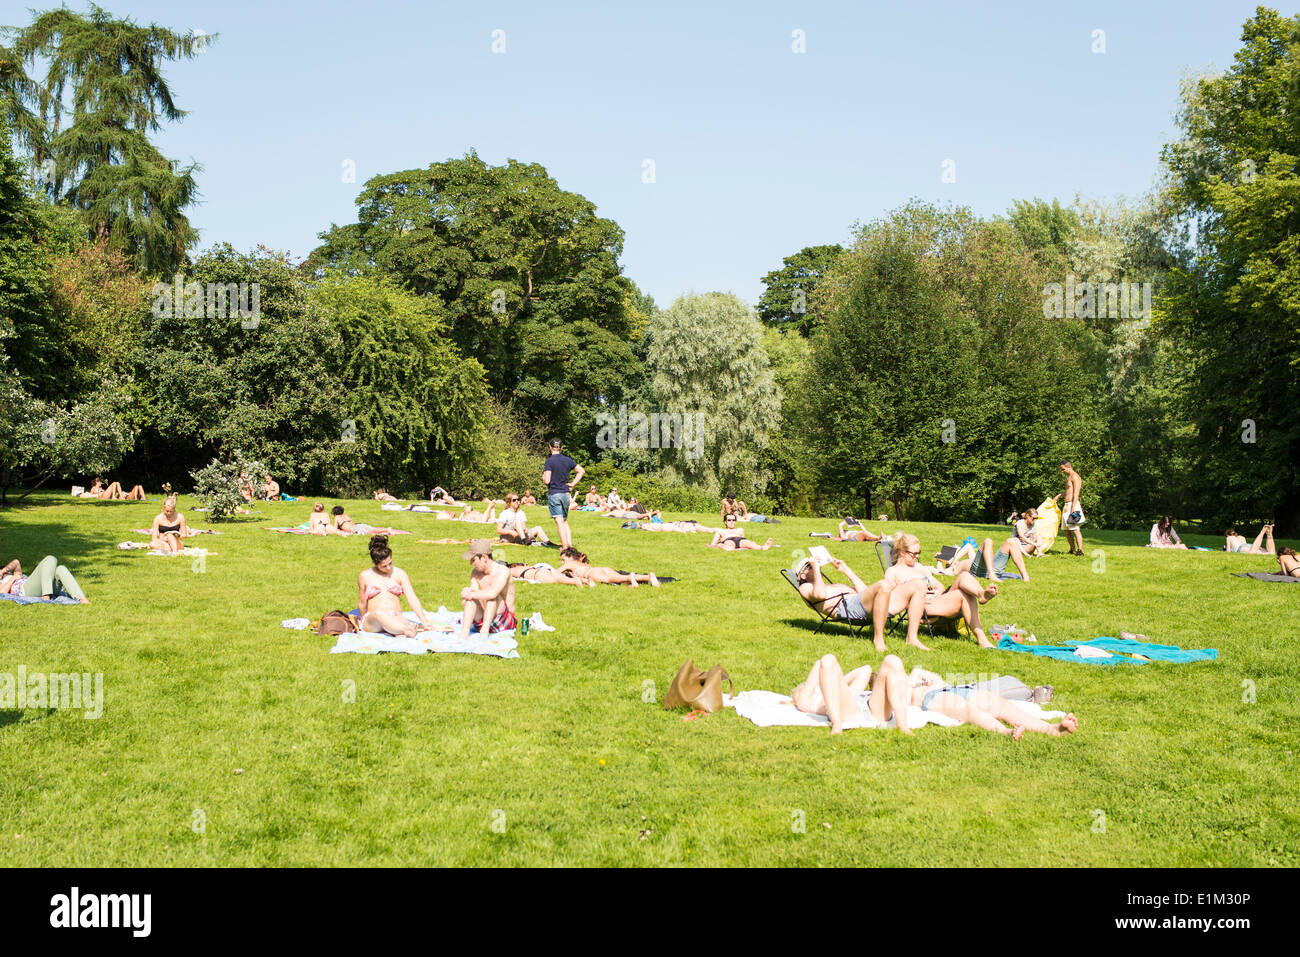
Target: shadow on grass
[16,717]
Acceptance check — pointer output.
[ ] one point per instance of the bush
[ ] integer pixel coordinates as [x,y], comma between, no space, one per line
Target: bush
[217,485]
[655,492]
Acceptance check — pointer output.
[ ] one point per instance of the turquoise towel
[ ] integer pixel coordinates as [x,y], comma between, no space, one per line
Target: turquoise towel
[1124,646]
[1062,653]
[1153,651]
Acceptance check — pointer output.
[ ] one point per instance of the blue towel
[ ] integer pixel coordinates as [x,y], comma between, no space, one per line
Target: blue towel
[1062,653]
[25,600]
[1153,651]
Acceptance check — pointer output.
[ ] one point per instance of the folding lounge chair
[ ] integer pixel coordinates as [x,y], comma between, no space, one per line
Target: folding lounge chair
[885,555]
[857,626]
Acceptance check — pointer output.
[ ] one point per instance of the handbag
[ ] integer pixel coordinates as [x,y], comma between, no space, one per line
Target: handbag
[338,623]
[696,689]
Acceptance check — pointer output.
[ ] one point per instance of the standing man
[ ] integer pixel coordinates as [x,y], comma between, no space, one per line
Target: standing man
[556,476]
[1071,511]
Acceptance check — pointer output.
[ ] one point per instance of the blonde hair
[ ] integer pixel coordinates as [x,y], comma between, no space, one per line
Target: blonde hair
[902,542]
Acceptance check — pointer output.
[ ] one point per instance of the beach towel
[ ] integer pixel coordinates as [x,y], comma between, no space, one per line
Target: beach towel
[768,709]
[25,600]
[1267,576]
[1113,651]
[502,644]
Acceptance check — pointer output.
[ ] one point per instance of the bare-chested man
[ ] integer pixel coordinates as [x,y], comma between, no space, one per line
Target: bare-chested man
[1071,511]
[846,602]
[488,602]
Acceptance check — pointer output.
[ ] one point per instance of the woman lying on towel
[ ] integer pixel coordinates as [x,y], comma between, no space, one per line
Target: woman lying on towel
[47,579]
[440,496]
[319,523]
[381,495]
[381,588]
[685,525]
[1289,562]
[344,525]
[541,573]
[863,699]
[469,514]
[169,527]
[914,587]
[577,564]
[113,491]
[732,537]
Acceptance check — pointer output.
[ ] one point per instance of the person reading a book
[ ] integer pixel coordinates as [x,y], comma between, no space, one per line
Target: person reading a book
[846,602]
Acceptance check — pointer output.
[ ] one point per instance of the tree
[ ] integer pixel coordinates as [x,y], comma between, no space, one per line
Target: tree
[935,382]
[706,362]
[239,360]
[416,406]
[526,273]
[788,291]
[103,162]
[1235,306]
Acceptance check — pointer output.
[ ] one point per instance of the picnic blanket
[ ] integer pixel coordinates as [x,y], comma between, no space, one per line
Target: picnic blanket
[193,531]
[1111,651]
[1267,576]
[25,600]
[303,530]
[502,644]
[768,709]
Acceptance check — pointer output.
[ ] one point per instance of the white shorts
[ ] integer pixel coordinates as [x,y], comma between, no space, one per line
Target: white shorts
[1068,512]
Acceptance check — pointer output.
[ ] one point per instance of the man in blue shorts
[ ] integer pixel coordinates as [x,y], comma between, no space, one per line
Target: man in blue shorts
[555,473]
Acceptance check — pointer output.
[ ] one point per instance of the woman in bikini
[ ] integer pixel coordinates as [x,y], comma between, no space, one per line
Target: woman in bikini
[1289,562]
[984,709]
[169,527]
[468,513]
[577,564]
[732,538]
[381,588]
[917,590]
[344,525]
[857,699]
[543,574]
[1263,544]
[319,523]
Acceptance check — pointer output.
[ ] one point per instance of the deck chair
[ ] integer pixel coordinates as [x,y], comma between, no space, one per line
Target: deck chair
[857,627]
[898,620]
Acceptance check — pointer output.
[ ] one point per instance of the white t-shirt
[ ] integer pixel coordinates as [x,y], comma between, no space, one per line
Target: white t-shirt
[515,522]
[1025,533]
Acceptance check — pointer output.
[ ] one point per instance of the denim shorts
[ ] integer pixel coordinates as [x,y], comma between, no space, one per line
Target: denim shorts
[961,691]
[850,609]
[558,503]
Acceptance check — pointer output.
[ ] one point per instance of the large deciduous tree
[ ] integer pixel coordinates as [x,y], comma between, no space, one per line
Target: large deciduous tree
[526,274]
[705,360]
[787,293]
[1235,176]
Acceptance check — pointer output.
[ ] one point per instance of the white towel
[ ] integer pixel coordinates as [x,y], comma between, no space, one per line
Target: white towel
[768,709]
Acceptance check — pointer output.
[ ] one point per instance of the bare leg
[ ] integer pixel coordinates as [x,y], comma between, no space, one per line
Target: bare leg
[562,526]
[915,612]
[471,611]
[841,702]
[877,597]
[955,707]
[1265,532]
[1012,548]
[389,621]
[1009,711]
[890,694]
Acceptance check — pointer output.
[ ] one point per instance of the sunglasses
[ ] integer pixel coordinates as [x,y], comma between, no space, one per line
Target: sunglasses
[916,554]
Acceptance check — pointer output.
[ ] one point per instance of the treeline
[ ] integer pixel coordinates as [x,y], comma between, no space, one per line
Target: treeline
[939,366]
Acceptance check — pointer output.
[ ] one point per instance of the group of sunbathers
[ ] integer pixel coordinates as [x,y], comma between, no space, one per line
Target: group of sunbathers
[111,491]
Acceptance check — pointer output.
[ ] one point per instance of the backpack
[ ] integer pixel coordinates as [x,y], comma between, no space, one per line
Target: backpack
[338,623]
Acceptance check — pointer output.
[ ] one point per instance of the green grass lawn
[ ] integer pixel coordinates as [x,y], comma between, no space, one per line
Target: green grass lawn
[227,740]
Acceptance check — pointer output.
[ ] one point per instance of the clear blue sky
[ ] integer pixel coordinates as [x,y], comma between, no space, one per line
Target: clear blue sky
[758,151]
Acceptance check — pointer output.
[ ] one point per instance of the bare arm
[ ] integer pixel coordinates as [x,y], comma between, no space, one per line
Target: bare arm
[577,476]
[411,599]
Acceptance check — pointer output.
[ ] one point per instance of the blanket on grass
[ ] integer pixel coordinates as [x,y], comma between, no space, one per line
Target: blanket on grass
[502,644]
[1112,651]
[1267,576]
[768,709]
[24,600]
[303,530]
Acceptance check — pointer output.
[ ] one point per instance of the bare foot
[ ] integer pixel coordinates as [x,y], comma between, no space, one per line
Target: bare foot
[767,544]
[988,593]
[1068,725]
[83,601]
[1017,732]
[631,580]
[983,640]
[654,582]
[916,643]
[880,645]
[837,729]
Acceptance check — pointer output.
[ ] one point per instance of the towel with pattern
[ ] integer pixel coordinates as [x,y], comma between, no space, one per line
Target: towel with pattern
[502,644]
[1267,576]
